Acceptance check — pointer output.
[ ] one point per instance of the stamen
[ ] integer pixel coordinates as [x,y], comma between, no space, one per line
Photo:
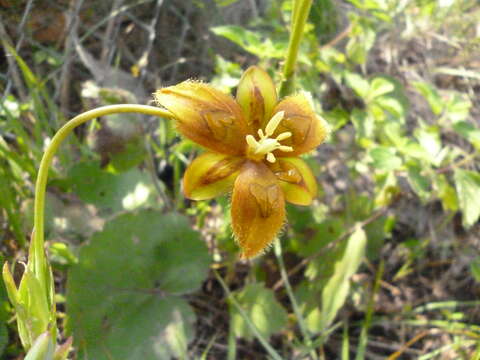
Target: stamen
[274,122]
[284,136]
[251,141]
[285,148]
[266,145]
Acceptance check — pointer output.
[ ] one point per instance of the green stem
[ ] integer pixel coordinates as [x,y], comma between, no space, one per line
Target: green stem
[271,351]
[301,9]
[37,260]
[293,300]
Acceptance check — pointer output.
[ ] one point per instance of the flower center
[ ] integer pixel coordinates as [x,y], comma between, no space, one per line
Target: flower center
[265,145]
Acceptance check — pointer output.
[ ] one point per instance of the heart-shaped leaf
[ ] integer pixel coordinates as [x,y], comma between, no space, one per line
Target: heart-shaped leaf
[122,295]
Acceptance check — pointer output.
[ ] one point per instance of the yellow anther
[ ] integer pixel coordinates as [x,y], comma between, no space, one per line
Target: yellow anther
[274,122]
[265,145]
[252,143]
[284,136]
[271,157]
[285,148]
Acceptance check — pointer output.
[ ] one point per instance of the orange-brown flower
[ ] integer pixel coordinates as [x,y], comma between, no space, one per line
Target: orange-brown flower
[253,145]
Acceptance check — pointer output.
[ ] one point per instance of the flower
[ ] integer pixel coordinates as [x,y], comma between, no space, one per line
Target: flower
[253,144]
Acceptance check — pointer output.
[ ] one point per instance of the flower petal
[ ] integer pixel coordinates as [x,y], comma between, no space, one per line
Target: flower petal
[211,175]
[258,208]
[257,96]
[308,130]
[206,115]
[296,180]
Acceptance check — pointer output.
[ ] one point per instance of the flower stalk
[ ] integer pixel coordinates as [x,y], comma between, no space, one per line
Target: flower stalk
[34,299]
[301,9]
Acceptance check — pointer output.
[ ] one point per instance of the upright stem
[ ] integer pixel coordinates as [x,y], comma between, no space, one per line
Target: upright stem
[293,300]
[37,260]
[301,9]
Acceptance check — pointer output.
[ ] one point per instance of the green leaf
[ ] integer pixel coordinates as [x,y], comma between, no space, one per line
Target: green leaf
[223,3]
[431,95]
[467,184]
[123,295]
[446,193]
[358,84]
[263,309]
[380,86]
[364,126]
[132,155]
[386,188]
[108,191]
[336,290]
[42,349]
[475,268]
[469,132]
[324,18]
[385,158]
[394,101]
[458,107]
[429,139]
[251,41]
[419,182]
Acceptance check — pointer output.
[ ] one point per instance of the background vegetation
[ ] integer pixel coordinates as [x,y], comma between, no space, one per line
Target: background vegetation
[384,264]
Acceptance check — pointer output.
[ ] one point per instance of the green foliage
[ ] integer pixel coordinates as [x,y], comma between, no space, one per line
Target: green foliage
[262,308]
[337,288]
[4,314]
[402,157]
[108,191]
[127,286]
[468,189]
[252,42]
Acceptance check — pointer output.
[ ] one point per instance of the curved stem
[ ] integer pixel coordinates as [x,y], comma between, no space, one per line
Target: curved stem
[299,19]
[37,260]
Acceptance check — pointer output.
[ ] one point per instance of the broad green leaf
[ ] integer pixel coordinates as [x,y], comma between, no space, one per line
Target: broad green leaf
[386,188]
[446,193]
[467,184]
[336,290]
[458,107]
[123,295]
[111,192]
[418,181]
[394,105]
[228,74]
[385,158]
[263,309]
[324,18]
[379,86]
[320,235]
[131,155]
[469,132]
[251,41]
[364,126]
[431,95]
[429,139]
[395,102]
[336,118]
[358,84]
